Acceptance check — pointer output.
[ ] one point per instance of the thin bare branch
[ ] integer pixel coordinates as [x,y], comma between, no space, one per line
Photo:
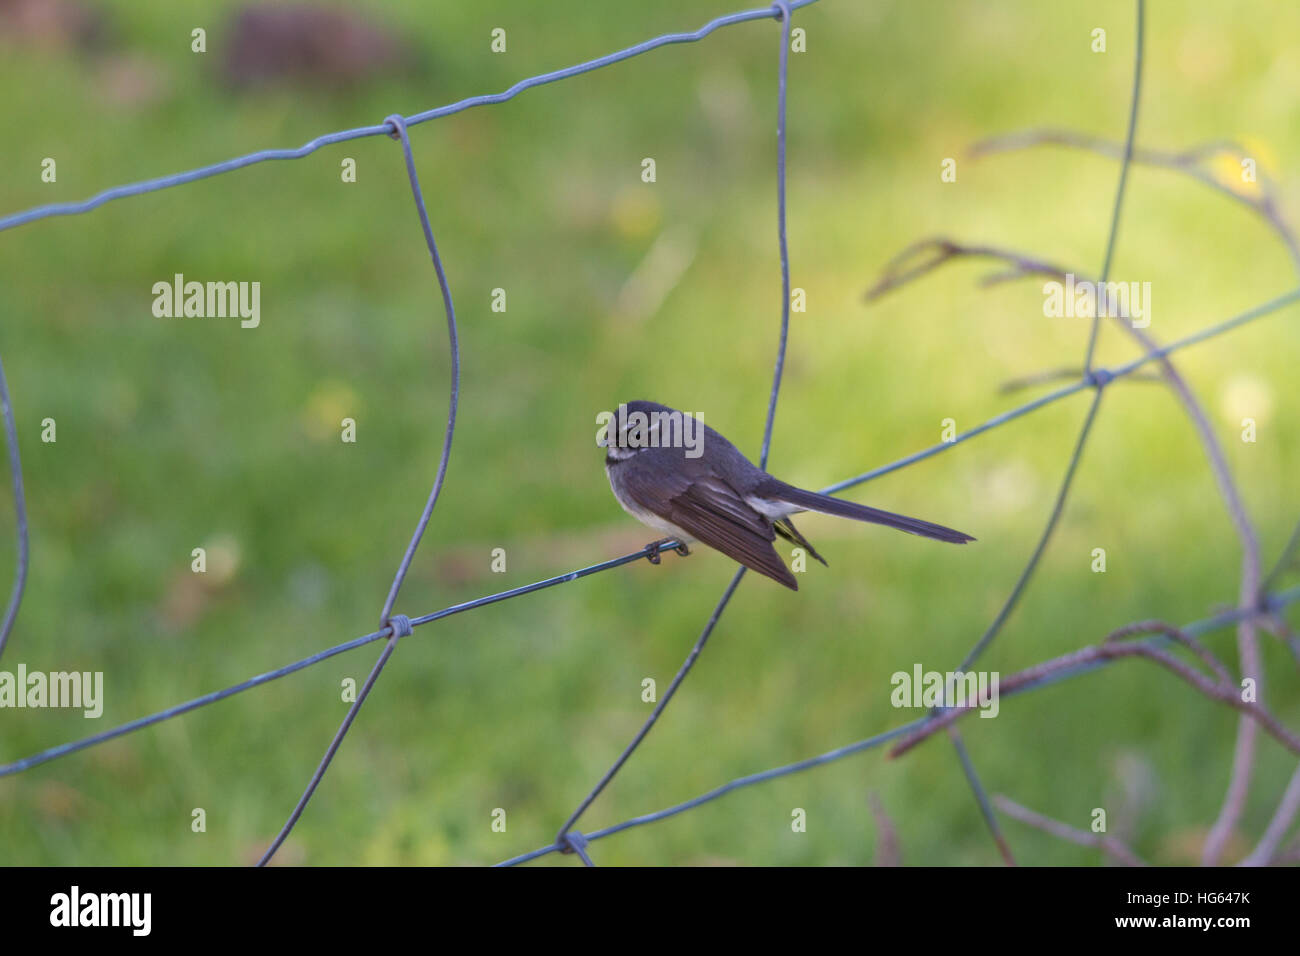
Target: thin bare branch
[1189,162]
[1020,266]
[888,849]
[1146,628]
[1110,649]
[1267,848]
[1104,842]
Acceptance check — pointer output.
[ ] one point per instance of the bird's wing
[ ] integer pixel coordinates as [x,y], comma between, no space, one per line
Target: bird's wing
[712,512]
[690,494]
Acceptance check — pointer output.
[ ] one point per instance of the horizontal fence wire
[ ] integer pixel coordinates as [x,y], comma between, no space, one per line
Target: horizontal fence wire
[1264,601]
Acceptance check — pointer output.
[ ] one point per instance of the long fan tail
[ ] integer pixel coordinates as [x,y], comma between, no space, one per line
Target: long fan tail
[813,501]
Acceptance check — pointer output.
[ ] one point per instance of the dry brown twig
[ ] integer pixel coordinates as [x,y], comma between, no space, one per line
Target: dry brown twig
[1116,645]
[1189,162]
[888,848]
[1266,851]
[1104,842]
[898,273]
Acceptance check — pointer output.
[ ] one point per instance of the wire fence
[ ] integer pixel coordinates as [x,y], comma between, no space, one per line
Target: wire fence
[1261,603]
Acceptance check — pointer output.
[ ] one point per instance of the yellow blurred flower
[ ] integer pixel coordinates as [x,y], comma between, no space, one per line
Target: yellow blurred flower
[635,211]
[327,406]
[1261,152]
[223,561]
[1241,172]
[1246,397]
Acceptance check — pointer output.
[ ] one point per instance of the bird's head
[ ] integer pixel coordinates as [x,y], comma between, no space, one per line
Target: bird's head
[632,429]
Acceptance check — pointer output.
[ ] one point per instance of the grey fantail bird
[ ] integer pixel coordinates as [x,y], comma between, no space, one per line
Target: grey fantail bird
[679,476]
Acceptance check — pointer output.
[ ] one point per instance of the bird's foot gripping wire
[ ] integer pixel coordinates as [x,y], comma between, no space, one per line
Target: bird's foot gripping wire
[652,555]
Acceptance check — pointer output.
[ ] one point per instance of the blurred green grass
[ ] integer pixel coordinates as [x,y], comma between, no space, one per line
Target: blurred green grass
[175,434]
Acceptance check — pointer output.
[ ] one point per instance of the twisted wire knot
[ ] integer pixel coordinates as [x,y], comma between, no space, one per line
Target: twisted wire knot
[574,842]
[1100,377]
[398,122]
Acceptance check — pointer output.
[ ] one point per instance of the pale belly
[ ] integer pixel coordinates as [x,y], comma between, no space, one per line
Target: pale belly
[645,516]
